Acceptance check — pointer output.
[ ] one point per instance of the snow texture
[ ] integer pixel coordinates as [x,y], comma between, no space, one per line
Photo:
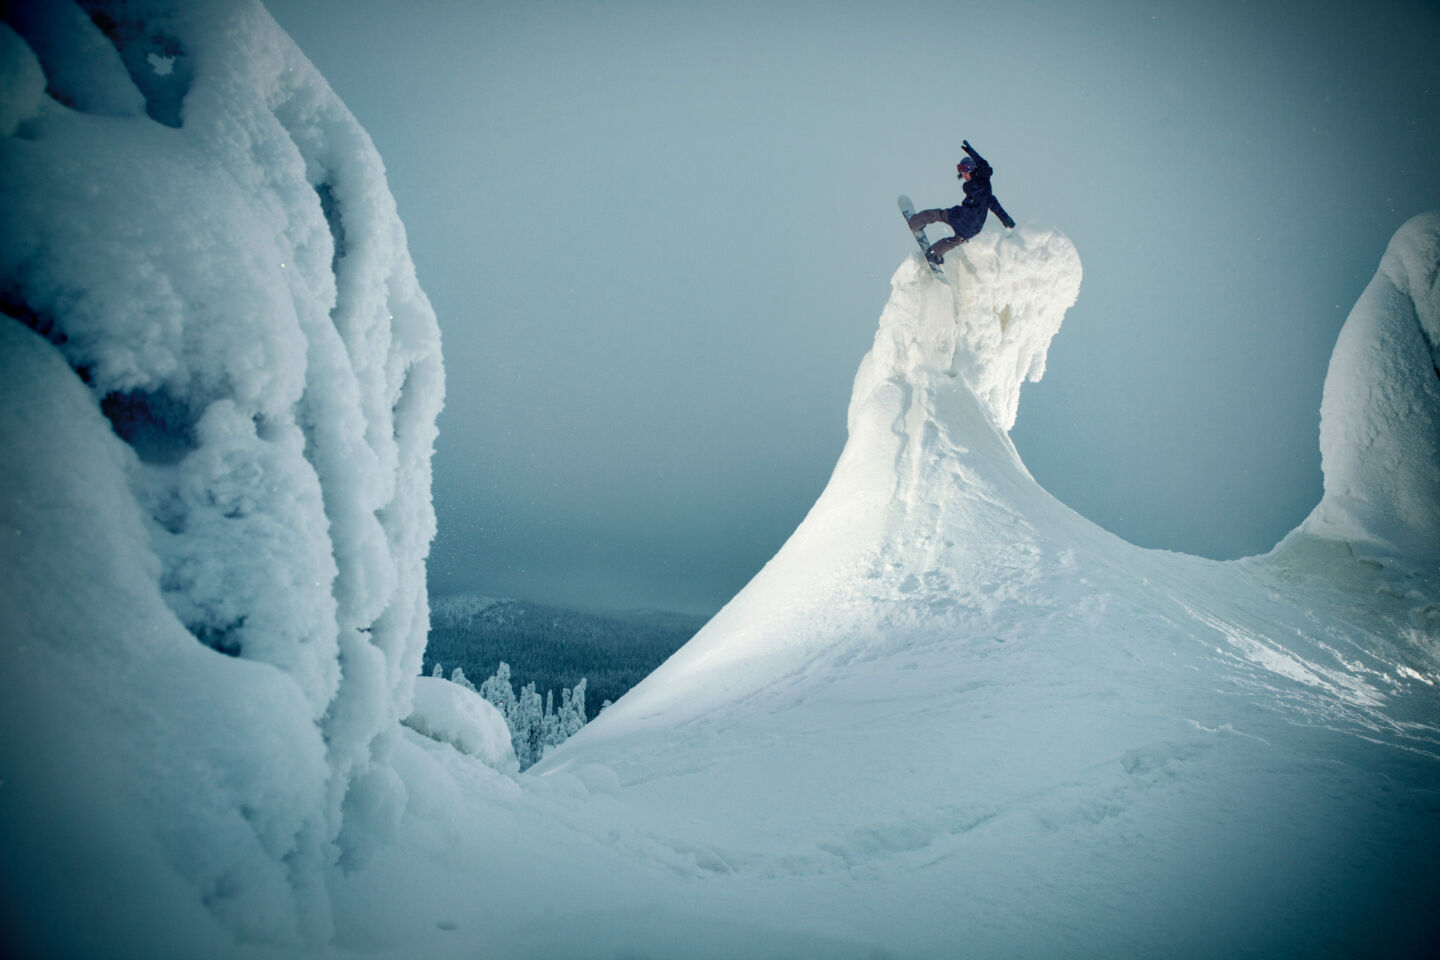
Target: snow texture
[454,714]
[218,430]
[1380,416]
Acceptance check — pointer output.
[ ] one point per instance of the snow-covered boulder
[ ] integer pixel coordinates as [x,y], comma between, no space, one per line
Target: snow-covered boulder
[201,256]
[1380,416]
[454,714]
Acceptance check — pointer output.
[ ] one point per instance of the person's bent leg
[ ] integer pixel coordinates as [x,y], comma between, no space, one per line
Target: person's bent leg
[941,247]
[926,217]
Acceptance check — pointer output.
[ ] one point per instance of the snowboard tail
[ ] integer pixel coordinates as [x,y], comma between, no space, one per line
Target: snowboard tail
[907,210]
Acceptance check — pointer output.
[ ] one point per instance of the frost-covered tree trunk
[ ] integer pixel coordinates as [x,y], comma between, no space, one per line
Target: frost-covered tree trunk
[200,237]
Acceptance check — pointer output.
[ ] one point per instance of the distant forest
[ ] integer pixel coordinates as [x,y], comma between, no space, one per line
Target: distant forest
[553,646]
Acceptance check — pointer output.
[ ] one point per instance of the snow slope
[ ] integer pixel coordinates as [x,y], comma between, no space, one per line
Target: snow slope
[220,384]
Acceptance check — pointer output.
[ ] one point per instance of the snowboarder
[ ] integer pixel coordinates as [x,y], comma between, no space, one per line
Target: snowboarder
[966,219]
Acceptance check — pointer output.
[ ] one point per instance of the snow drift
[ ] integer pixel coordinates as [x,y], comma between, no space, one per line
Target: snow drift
[220,387]
[451,713]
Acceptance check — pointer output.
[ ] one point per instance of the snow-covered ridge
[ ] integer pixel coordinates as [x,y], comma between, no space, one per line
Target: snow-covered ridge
[931,521]
[463,607]
[202,244]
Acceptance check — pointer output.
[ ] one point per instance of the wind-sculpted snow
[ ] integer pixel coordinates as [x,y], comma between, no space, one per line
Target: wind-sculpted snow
[202,246]
[991,325]
[953,717]
[929,478]
[1380,417]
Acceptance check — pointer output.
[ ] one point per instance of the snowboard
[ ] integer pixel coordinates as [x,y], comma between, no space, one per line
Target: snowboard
[907,210]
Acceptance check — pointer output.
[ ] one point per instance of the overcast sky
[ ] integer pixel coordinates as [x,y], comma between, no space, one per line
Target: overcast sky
[659,236]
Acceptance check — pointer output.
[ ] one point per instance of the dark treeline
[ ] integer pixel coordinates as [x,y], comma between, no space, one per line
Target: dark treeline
[553,646]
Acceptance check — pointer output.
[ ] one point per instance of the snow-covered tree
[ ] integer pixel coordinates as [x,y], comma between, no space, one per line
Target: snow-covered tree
[498,691]
[572,710]
[528,726]
[535,725]
[550,726]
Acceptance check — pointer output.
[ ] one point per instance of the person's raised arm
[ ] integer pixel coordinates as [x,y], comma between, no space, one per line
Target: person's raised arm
[982,168]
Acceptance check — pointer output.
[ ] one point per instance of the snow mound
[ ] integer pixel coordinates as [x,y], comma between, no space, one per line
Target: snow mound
[200,239]
[450,713]
[928,471]
[1380,415]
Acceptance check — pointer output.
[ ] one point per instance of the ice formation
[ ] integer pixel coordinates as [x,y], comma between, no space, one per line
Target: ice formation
[226,399]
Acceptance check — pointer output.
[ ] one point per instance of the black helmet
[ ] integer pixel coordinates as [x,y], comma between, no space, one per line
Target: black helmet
[966,166]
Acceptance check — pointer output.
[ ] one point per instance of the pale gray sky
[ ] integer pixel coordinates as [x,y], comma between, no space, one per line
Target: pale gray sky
[659,236]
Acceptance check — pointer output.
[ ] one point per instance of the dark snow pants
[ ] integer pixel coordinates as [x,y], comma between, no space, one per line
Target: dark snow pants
[944,215]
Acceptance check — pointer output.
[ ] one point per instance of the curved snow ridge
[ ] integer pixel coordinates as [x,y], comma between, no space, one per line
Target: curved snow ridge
[990,324]
[1380,414]
[929,509]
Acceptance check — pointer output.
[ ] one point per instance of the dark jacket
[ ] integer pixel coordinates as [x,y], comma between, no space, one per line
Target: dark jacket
[967,219]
